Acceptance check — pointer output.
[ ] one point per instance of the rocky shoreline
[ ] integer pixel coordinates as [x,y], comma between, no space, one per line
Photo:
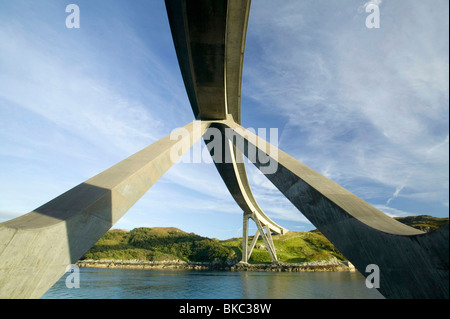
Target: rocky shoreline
[321,266]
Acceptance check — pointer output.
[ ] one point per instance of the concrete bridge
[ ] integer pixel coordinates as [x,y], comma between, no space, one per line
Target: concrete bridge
[209,38]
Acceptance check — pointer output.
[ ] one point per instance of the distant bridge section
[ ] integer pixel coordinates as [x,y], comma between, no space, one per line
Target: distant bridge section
[209,37]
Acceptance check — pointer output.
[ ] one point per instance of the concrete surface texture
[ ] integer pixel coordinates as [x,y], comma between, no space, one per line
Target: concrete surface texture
[36,248]
[209,38]
[412,264]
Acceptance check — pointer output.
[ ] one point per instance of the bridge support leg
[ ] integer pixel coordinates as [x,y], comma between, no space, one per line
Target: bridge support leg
[245,250]
[266,236]
[36,248]
[411,263]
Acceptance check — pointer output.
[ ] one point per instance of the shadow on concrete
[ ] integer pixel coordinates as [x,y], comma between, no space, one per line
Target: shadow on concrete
[412,264]
[39,245]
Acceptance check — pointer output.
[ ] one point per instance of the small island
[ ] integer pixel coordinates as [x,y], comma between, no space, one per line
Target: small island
[172,248]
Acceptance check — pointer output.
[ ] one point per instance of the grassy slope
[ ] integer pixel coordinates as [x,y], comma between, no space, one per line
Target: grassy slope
[163,244]
[424,222]
[293,247]
[157,244]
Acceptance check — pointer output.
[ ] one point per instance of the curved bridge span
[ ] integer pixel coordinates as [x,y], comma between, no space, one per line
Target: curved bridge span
[209,38]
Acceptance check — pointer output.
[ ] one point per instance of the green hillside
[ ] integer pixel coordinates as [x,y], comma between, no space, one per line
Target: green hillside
[157,244]
[424,222]
[293,247]
[161,244]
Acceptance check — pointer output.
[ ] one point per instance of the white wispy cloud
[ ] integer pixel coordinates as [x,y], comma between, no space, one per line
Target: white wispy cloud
[71,97]
[396,194]
[360,106]
[75,102]
[392,212]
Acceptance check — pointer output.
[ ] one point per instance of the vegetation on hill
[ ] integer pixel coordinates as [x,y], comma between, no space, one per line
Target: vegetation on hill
[424,222]
[157,244]
[293,247]
[161,244]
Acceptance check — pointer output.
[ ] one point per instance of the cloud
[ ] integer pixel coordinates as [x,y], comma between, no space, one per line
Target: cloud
[80,102]
[360,107]
[396,194]
[393,212]
[75,102]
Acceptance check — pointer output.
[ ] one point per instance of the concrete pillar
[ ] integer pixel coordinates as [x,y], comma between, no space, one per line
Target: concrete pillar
[412,264]
[36,248]
[247,251]
[245,239]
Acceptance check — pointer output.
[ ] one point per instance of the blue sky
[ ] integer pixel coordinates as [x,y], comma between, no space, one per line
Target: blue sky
[368,108]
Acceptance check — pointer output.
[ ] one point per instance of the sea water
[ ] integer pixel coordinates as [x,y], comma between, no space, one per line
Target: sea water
[96,283]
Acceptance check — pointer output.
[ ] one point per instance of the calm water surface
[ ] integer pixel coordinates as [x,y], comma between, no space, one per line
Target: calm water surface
[161,284]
